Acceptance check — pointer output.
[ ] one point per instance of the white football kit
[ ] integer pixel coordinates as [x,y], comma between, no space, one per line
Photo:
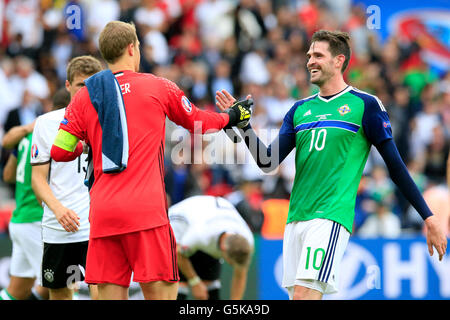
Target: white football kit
[66,180]
[199,221]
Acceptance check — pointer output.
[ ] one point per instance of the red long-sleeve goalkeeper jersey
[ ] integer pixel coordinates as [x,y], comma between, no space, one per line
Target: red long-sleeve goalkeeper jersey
[135,198]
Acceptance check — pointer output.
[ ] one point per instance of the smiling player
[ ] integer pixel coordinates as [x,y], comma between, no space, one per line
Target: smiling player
[332,133]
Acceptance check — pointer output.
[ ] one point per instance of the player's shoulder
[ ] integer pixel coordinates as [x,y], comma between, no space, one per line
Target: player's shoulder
[362,94]
[298,104]
[305,100]
[168,84]
[370,101]
[160,83]
[145,76]
[82,95]
[49,120]
[52,116]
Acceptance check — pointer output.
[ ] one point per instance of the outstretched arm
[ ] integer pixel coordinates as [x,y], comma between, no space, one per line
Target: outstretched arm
[183,112]
[267,158]
[401,177]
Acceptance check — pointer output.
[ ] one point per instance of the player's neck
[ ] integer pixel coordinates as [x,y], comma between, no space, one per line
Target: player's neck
[332,86]
[122,65]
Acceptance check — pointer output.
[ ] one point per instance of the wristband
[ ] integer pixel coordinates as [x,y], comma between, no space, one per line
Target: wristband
[194,281]
[233,118]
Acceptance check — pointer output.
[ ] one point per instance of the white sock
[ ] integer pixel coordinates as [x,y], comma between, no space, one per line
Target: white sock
[4,295]
[36,294]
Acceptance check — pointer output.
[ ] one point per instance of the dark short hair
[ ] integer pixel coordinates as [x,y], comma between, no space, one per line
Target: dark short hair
[338,41]
[61,99]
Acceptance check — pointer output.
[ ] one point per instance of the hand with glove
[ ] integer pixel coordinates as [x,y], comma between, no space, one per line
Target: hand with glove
[239,111]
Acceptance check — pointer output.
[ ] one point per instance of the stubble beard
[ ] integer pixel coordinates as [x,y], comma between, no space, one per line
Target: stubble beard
[323,78]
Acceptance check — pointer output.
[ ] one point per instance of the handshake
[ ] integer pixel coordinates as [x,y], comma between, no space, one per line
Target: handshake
[240,113]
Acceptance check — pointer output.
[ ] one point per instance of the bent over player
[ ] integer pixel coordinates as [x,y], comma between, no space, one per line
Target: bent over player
[208,229]
[121,115]
[332,133]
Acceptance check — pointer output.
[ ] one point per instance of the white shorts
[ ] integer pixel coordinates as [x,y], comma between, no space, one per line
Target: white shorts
[27,249]
[312,253]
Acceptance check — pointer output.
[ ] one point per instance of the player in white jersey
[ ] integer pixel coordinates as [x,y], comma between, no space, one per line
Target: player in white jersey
[68,189]
[206,230]
[65,197]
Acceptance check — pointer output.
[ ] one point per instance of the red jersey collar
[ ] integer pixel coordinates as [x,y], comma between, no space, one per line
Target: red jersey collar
[122,72]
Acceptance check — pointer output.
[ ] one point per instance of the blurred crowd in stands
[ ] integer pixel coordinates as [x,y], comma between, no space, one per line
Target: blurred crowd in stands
[252,47]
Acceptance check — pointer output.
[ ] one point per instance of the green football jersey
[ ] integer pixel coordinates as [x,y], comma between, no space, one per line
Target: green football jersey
[28,208]
[332,139]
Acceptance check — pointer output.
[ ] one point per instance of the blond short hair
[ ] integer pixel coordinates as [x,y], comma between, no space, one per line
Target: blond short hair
[83,65]
[238,249]
[115,38]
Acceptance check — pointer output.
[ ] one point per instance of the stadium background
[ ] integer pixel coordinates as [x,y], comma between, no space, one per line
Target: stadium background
[401,53]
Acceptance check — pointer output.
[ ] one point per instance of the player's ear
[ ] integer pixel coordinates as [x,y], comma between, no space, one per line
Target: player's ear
[222,244]
[67,84]
[339,61]
[130,49]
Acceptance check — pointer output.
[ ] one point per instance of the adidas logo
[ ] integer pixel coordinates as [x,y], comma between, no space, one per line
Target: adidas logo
[245,114]
[307,113]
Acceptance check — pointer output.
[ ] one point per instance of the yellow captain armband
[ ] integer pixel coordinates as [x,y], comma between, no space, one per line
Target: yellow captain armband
[66,140]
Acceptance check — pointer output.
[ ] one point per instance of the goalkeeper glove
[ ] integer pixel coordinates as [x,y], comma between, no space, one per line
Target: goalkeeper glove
[240,113]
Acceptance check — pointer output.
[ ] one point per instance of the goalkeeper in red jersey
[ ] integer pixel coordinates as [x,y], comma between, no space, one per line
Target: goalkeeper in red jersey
[121,115]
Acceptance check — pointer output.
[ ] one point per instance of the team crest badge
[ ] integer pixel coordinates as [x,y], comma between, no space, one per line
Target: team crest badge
[344,109]
[34,151]
[49,275]
[186,104]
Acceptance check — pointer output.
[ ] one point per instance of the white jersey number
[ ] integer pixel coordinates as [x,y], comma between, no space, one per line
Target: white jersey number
[318,142]
[20,173]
